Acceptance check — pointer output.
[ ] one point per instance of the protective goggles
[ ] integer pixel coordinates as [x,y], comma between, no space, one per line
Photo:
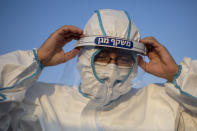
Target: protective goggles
[120,57]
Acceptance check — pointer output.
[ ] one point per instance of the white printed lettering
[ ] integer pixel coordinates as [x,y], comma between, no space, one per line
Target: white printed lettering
[117,42]
[100,40]
[113,41]
[128,44]
[106,40]
[123,42]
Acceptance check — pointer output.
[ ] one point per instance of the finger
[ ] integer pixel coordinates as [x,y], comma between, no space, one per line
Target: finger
[82,35]
[71,54]
[67,39]
[69,34]
[71,29]
[151,41]
[78,37]
[74,36]
[153,45]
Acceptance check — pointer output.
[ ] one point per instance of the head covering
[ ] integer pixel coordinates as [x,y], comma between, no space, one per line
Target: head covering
[107,28]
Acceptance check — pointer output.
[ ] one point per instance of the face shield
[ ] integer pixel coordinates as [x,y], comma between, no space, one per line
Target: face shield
[112,63]
[107,62]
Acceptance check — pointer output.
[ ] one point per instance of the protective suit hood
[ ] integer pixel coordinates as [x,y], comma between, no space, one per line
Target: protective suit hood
[101,30]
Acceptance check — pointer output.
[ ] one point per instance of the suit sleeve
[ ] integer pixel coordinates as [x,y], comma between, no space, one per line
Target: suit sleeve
[18,71]
[184,86]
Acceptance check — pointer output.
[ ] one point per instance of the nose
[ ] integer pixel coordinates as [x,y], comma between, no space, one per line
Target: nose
[112,57]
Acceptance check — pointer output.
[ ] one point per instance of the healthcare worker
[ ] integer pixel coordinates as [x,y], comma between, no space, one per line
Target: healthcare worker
[108,51]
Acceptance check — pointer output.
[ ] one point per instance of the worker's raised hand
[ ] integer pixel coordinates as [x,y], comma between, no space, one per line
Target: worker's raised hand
[161,63]
[52,53]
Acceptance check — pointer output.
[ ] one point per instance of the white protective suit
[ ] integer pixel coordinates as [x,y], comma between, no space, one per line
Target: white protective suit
[27,105]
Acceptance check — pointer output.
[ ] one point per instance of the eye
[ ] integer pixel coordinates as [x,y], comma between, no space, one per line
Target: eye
[101,57]
[124,58]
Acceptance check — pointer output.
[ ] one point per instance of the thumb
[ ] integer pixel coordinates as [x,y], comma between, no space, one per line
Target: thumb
[142,63]
[71,54]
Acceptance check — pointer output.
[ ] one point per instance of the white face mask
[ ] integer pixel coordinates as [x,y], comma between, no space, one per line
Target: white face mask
[110,90]
[111,73]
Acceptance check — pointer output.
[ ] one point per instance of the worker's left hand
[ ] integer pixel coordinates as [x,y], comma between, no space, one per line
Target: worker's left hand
[161,63]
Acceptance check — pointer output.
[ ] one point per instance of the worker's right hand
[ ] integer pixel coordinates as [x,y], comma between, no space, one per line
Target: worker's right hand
[52,53]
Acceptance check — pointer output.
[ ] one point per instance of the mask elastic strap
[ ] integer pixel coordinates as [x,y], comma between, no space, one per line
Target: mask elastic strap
[100,22]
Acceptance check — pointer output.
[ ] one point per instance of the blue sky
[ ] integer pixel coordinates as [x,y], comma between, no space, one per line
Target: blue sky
[26,24]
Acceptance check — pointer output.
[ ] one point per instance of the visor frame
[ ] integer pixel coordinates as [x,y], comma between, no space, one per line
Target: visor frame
[115,42]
